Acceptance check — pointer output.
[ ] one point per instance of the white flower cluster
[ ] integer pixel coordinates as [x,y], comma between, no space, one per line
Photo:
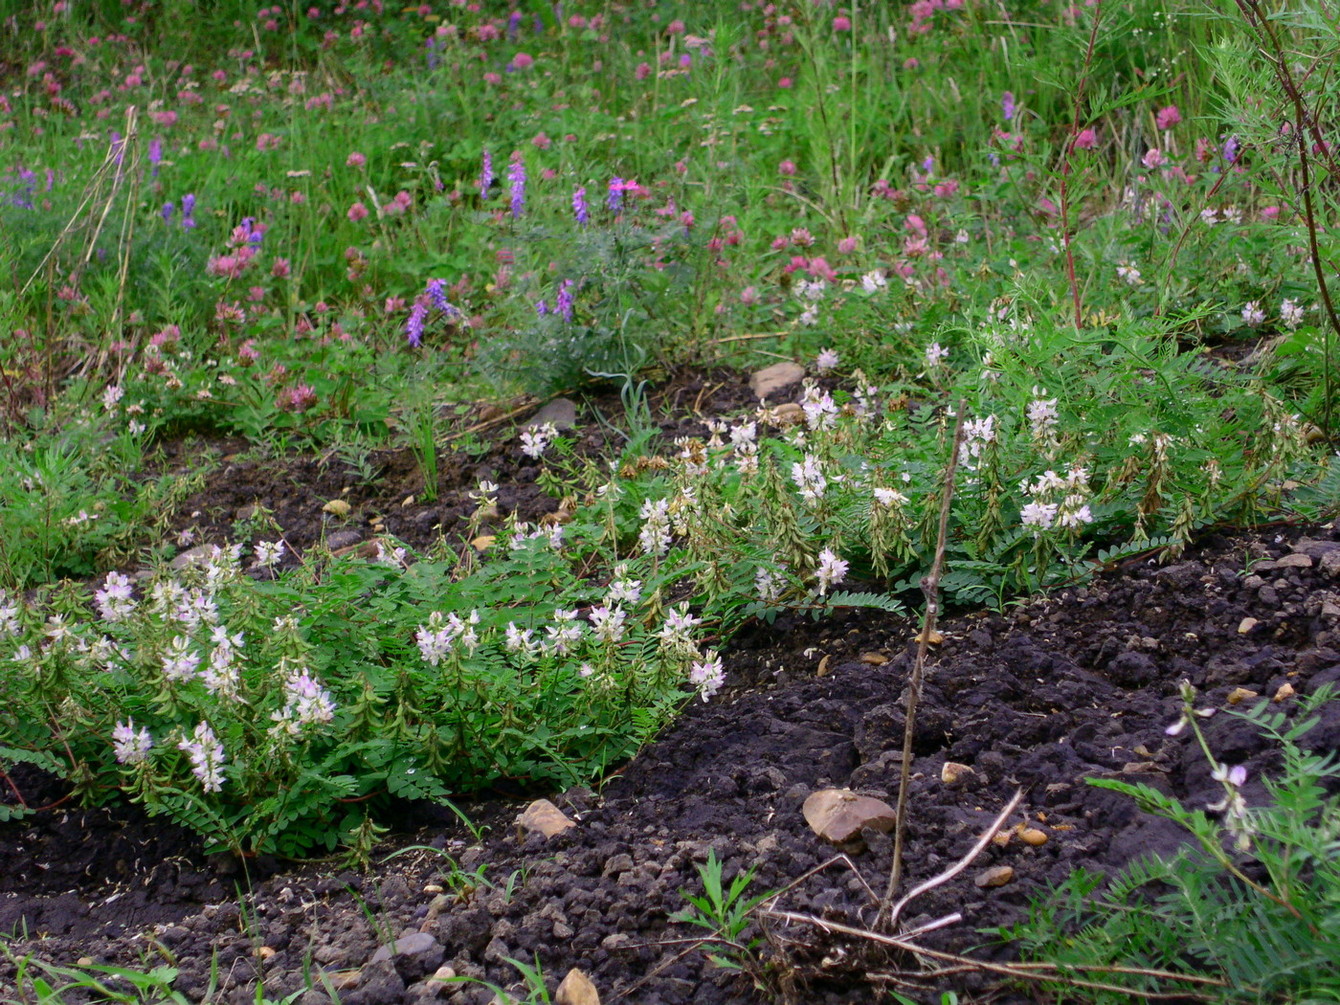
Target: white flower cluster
[552,535]
[306,703]
[830,570]
[114,600]
[820,408]
[444,632]
[536,439]
[206,756]
[1042,414]
[809,478]
[977,434]
[655,533]
[1056,501]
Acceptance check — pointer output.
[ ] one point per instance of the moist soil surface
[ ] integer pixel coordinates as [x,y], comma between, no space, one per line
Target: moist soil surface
[1039,698]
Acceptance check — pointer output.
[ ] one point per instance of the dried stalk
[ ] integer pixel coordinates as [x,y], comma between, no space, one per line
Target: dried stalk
[930,586]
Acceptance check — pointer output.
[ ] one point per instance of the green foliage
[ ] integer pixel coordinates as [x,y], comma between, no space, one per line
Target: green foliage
[725,913]
[70,504]
[1248,914]
[336,687]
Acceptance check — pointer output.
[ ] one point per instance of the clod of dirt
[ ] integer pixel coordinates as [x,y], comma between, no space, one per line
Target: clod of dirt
[997,875]
[576,989]
[776,378]
[839,815]
[543,817]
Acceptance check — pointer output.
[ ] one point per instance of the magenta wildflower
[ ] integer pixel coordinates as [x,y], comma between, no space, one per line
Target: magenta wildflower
[516,178]
[1168,117]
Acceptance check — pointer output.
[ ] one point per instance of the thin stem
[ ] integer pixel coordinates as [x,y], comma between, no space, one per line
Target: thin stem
[931,588]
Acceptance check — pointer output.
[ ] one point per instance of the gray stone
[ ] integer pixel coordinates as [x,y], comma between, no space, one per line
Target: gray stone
[562,412]
[414,956]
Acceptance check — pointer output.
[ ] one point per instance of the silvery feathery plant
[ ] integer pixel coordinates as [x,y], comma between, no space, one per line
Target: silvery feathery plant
[1246,912]
[275,712]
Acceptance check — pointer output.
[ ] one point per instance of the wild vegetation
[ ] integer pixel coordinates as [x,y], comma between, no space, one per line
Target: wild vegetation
[1098,238]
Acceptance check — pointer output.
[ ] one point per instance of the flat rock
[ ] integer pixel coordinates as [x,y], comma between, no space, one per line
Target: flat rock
[576,989]
[839,815]
[775,378]
[996,876]
[562,412]
[543,817]
[414,956]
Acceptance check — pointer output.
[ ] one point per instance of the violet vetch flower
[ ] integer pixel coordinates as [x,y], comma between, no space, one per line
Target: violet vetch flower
[579,207]
[188,211]
[541,308]
[167,212]
[615,202]
[565,299]
[1231,149]
[1007,105]
[486,176]
[118,147]
[514,25]
[516,178]
[418,314]
[155,155]
[437,294]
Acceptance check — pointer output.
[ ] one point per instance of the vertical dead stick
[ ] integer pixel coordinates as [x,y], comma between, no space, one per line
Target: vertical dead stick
[930,586]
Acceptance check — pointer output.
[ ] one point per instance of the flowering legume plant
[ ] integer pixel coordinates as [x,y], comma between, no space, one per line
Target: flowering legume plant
[275,713]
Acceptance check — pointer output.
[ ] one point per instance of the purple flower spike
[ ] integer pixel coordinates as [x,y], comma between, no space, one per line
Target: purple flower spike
[516,177]
[418,314]
[1007,105]
[565,299]
[486,176]
[615,202]
[579,207]
[437,295]
[167,212]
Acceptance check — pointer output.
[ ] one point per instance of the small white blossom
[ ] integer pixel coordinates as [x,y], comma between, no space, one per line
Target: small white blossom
[873,281]
[114,600]
[269,552]
[827,360]
[707,675]
[206,755]
[1291,314]
[130,745]
[809,479]
[830,570]
[535,441]
[608,623]
[1252,314]
[935,353]
[1039,515]
[1042,414]
[1129,274]
[655,534]
[769,585]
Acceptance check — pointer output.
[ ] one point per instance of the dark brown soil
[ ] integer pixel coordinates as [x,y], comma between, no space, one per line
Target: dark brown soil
[1076,686]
